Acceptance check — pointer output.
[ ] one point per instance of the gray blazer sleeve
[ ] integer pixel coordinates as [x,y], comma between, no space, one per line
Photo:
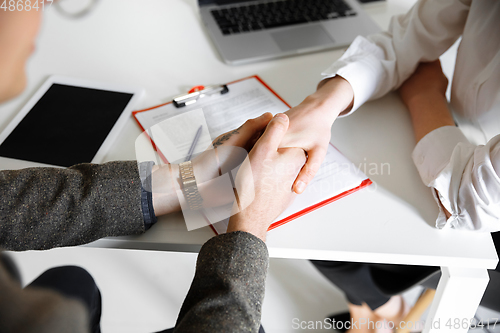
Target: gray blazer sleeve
[228,288]
[43,208]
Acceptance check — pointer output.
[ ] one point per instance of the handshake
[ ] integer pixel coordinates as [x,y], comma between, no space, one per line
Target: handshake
[265,179]
[276,158]
[263,184]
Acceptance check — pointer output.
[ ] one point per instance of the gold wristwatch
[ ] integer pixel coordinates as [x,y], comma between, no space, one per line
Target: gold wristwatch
[189,186]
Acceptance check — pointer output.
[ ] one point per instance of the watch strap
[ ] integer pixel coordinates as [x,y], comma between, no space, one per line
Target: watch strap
[189,186]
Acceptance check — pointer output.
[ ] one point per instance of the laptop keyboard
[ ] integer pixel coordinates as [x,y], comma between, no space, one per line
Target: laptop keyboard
[275,14]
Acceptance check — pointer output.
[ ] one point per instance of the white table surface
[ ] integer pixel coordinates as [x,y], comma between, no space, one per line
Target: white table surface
[161,46]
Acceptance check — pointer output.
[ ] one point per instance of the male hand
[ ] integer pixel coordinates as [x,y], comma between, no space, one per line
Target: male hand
[246,135]
[231,150]
[265,183]
[311,123]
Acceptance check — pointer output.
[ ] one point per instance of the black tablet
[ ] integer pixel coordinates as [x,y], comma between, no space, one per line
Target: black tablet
[68,121]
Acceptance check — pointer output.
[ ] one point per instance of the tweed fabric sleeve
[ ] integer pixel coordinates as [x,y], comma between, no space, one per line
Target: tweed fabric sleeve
[228,287]
[43,208]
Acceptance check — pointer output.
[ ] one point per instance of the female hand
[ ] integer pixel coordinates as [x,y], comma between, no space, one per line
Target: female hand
[311,122]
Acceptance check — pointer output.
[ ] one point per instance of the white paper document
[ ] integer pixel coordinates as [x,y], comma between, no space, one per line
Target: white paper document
[174,136]
[246,99]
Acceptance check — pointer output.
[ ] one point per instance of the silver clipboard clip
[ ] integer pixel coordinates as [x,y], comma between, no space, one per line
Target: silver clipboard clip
[197,93]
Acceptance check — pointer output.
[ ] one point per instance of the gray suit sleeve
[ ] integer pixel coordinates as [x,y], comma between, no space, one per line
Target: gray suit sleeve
[43,208]
[228,288]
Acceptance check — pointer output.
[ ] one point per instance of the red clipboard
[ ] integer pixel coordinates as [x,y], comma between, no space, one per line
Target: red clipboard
[364,183]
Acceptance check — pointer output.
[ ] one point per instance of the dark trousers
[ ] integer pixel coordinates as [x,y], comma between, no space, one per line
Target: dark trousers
[171,330]
[374,284]
[76,282]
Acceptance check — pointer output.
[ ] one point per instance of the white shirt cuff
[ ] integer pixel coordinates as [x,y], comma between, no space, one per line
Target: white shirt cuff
[433,152]
[439,157]
[360,66]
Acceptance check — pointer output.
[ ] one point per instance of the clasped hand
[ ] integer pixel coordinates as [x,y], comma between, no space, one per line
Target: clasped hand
[265,181]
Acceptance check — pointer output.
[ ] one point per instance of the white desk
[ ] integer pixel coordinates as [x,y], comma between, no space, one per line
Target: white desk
[161,46]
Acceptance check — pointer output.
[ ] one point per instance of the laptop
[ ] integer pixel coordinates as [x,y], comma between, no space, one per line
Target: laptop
[247,31]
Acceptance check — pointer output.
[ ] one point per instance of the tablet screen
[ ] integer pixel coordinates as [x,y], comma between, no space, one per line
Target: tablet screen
[66,126]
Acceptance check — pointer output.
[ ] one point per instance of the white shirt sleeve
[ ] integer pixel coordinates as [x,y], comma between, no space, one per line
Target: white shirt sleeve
[382,62]
[466,177]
